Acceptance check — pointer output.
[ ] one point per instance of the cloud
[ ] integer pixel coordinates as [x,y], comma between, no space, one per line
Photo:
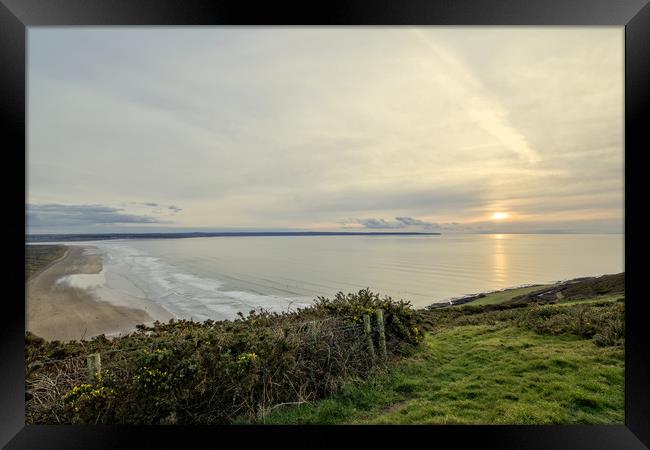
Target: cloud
[461,123]
[58,215]
[417,222]
[398,223]
[379,223]
[484,108]
[173,208]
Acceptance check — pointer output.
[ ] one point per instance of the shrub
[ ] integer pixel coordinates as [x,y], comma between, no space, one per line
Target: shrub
[604,323]
[400,319]
[185,372]
[87,403]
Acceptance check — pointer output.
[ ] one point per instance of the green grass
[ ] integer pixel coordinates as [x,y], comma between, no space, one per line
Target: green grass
[503,296]
[599,299]
[37,257]
[482,374]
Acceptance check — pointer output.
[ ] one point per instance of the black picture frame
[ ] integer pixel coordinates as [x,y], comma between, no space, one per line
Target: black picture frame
[16,15]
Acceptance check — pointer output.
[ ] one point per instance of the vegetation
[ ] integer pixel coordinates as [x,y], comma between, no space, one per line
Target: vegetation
[602,321]
[501,296]
[184,372]
[546,361]
[37,257]
[483,374]
[530,357]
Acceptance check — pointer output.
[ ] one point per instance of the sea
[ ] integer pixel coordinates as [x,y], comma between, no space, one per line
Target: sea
[217,277]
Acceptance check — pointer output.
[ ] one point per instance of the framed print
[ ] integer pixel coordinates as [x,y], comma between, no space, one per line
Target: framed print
[260,222]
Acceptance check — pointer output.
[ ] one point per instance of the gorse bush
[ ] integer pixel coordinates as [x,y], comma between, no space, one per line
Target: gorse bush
[400,318]
[604,323]
[86,402]
[184,372]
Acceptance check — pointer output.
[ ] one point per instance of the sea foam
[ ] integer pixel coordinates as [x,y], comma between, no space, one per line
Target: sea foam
[131,273]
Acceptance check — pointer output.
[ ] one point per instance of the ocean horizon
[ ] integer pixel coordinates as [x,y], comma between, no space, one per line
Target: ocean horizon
[69,237]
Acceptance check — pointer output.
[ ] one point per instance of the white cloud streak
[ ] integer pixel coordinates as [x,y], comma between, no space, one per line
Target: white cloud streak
[482,106]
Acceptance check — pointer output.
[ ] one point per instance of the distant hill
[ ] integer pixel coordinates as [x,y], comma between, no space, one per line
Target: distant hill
[112,236]
[578,288]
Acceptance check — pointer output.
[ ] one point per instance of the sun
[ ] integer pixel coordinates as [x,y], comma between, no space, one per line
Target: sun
[500,215]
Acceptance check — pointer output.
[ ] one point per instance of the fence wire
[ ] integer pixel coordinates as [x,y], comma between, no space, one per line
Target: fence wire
[110,357]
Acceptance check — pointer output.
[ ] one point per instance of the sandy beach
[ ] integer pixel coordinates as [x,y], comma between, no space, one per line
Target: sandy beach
[58,310]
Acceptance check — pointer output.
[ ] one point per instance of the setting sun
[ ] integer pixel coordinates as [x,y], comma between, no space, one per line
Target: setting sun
[500,215]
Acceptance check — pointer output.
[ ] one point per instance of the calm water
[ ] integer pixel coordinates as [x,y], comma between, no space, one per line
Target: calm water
[216,277]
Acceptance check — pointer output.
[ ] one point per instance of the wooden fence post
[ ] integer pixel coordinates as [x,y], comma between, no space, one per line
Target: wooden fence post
[366,328]
[94,366]
[382,333]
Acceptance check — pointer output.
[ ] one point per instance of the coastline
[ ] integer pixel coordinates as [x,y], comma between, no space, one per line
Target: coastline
[454,301]
[85,293]
[554,290]
[60,310]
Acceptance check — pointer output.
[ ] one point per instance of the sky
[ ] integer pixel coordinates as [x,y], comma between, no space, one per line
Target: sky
[445,129]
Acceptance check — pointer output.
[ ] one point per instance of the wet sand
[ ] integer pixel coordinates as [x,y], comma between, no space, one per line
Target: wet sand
[58,311]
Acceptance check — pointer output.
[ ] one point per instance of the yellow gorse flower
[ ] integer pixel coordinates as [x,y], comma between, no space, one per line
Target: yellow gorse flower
[247,357]
[86,391]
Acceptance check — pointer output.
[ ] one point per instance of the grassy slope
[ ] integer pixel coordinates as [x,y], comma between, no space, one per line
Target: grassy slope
[484,374]
[597,299]
[502,296]
[588,290]
[38,257]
